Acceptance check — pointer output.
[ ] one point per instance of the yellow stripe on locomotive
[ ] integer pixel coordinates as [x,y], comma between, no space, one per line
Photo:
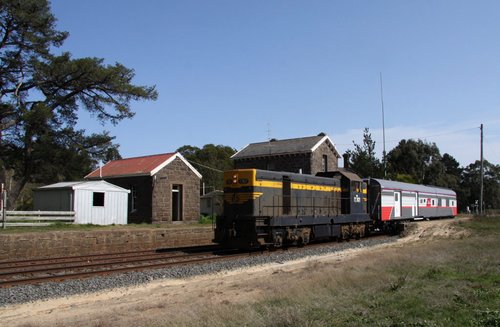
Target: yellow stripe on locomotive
[242,197]
[245,178]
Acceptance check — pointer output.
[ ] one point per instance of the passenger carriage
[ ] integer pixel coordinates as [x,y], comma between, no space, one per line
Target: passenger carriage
[394,201]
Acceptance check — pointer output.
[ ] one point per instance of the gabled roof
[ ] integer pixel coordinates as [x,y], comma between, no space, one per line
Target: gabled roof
[138,166]
[283,147]
[84,185]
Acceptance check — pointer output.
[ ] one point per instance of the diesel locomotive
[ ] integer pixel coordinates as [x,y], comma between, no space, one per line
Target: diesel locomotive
[268,208]
[274,209]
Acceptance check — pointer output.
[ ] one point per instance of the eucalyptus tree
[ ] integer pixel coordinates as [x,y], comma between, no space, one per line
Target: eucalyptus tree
[471,181]
[210,161]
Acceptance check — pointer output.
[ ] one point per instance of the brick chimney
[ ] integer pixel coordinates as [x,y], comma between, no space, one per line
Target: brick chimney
[346,160]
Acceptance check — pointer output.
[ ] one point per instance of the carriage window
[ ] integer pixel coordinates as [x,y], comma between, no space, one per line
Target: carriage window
[396,197]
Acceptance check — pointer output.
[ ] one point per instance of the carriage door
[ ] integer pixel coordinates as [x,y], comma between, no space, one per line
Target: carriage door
[287,192]
[397,204]
[415,206]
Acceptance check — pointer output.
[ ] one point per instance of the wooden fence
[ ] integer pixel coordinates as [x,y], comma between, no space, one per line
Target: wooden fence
[36,218]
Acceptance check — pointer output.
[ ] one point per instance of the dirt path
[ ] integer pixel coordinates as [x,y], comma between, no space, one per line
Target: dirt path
[177,297]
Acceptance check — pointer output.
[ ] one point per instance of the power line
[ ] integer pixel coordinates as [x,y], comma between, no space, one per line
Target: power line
[491,150]
[421,137]
[440,134]
[207,167]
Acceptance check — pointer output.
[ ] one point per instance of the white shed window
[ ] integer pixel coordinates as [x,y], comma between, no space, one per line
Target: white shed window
[98,199]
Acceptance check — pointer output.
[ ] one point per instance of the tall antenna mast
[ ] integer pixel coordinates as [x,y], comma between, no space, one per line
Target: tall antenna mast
[481,200]
[383,126]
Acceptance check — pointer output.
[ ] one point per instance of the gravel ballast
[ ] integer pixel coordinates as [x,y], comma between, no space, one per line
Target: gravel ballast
[30,293]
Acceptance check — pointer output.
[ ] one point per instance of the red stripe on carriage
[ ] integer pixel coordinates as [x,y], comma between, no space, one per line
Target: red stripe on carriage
[386,213]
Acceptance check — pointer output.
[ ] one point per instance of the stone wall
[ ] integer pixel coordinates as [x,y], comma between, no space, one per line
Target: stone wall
[308,163]
[176,173]
[73,243]
[317,159]
[291,163]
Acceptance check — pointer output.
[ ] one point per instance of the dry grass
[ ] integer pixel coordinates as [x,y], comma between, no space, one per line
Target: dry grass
[445,282]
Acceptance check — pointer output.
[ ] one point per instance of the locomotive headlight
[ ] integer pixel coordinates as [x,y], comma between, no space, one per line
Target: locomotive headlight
[235,179]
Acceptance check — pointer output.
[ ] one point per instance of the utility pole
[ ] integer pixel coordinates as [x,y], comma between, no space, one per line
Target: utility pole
[383,127]
[482,175]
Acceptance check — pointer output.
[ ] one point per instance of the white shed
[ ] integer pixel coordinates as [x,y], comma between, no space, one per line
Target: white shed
[94,202]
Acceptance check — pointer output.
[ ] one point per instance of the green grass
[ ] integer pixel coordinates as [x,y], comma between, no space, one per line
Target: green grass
[206,220]
[446,282]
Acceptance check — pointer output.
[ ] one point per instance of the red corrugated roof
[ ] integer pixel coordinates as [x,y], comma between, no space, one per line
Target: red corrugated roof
[131,166]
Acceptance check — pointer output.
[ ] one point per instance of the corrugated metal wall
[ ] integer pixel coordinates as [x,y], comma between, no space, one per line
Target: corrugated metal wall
[114,210]
[52,200]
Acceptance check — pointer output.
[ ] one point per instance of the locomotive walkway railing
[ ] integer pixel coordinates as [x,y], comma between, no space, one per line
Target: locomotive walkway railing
[310,206]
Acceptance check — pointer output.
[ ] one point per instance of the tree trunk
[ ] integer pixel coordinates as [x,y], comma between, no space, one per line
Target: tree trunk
[13,186]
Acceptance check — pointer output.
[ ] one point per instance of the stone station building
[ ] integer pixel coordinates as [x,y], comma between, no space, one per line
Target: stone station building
[306,155]
[163,188]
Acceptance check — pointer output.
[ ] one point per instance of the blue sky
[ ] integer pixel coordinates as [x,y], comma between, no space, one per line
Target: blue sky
[238,72]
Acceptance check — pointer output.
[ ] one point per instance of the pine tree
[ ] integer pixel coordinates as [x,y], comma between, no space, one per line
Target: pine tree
[41,93]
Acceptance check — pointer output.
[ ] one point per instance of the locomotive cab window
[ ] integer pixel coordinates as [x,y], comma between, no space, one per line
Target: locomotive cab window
[356,187]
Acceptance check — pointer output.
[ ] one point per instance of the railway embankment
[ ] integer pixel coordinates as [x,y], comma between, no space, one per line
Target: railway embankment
[49,244]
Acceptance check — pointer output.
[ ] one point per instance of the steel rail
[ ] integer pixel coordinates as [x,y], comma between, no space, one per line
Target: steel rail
[61,277]
[27,262]
[88,261]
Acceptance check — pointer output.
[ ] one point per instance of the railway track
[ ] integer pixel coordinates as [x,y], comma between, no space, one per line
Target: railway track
[13,273]
[23,272]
